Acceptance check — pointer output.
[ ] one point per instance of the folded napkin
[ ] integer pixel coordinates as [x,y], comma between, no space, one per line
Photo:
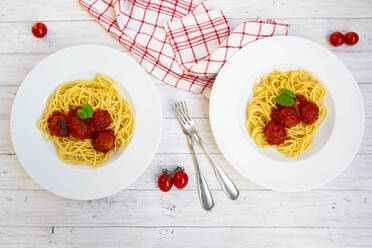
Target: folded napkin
[181,42]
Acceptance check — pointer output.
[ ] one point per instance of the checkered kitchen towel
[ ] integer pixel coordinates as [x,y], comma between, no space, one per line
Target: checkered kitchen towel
[180,42]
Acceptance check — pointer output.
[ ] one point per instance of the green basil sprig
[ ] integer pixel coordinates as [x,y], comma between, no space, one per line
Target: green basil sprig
[288,92]
[86,111]
[287,99]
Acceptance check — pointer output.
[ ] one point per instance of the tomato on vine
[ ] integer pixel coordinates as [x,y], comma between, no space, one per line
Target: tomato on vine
[165,181]
[351,38]
[180,178]
[336,39]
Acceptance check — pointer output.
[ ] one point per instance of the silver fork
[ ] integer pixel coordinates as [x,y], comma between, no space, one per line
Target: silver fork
[188,124]
[205,195]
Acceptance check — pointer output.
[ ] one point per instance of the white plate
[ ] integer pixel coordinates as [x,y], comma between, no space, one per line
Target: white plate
[338,139]
[39,157]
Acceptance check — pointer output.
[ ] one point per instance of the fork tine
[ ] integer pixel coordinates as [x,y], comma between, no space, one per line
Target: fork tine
[182,110]
[186,110]
[180,107]
[177,106]
[177,111]
[180,116]
[186,115]
[180,120]
[185,106]
[181,124]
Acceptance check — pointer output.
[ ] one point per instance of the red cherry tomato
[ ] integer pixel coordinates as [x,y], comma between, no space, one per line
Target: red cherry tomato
[336,39]
[351,38]
[165,181]
[39,29]
[180,179]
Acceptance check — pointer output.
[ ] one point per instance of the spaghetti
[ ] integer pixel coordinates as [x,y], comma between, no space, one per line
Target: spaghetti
[301,136]
[99,93]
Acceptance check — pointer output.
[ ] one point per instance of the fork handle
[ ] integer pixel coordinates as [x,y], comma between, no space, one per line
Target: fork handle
[205,195]
[227,185]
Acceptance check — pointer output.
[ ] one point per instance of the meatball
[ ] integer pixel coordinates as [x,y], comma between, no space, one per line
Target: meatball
[101,120]
[104,141]
[309,112]
[72,113]
[275,133]
[275,116]
[300,98]
[80,129]
[57,124]
[287,116]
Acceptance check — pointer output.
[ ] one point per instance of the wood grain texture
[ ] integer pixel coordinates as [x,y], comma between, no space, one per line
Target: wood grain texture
[139,237]
[358,176]
[317,208]
[70,10]
[289,9]
[19,39]
[338,214]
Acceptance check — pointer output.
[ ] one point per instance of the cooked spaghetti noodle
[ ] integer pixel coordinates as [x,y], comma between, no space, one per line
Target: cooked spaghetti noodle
[99,93]
[301,137]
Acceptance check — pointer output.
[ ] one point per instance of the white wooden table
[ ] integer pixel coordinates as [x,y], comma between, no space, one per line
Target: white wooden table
[339,214]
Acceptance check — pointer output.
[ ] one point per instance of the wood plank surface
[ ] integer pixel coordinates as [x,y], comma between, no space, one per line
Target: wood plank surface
[317,208]
[358,176]
[19,39]
[70,10]
[159,237]
[338,214]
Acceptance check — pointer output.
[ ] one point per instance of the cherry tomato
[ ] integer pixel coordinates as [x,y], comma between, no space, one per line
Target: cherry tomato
[351,38]
[180,178]
[165,181]
[39,29]
[336,39]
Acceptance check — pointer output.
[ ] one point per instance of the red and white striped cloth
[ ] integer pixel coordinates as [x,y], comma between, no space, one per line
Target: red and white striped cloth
[180,42]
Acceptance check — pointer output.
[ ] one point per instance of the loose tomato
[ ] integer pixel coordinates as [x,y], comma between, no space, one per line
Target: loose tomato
[39,29]
[180,178]
[165,181]
[351,38]
[336,39]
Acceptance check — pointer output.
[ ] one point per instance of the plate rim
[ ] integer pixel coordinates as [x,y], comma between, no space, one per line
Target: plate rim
[149,85]
[228,156]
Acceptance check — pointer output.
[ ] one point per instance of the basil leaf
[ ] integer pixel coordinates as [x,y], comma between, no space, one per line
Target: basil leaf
[288,92]
[82,114]
[88,109]
[284,100]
